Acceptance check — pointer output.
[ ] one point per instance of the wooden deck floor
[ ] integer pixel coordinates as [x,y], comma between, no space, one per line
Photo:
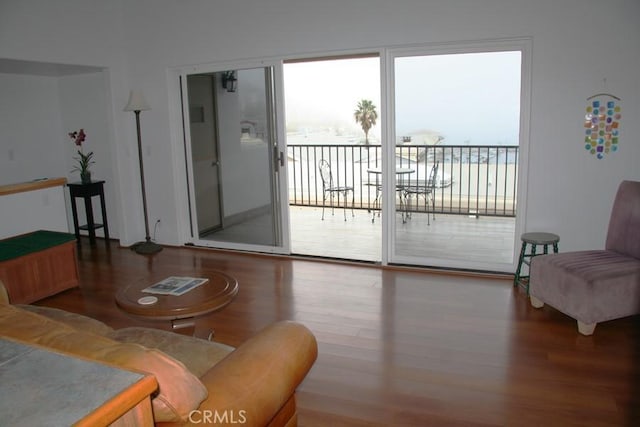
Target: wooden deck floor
[483,239]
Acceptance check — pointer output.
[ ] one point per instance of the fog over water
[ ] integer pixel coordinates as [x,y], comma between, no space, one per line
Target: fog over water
[462,99]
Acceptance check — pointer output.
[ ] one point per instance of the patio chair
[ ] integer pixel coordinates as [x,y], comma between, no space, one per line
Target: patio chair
[427,190]
[329,189]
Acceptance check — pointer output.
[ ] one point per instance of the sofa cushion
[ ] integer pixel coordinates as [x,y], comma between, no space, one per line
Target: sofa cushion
[179,391]
[76,321]
[196,354]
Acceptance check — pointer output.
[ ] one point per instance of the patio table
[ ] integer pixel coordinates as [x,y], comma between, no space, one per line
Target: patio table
[401,173]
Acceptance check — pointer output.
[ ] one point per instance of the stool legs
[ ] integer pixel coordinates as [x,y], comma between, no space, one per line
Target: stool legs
[516,278]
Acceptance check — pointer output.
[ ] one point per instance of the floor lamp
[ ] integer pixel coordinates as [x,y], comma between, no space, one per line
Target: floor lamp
[136,104]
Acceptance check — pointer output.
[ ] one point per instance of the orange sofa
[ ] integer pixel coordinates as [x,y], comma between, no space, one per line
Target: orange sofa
[199,381]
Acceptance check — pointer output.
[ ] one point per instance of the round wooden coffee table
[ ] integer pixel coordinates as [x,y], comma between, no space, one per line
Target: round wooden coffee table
[211,296]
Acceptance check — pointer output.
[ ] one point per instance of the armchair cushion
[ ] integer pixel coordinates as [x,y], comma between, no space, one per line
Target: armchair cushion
[590,286]
[196,354]
[76,321]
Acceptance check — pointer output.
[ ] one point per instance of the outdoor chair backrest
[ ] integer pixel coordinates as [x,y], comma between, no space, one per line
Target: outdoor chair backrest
[325,174]
[433,176]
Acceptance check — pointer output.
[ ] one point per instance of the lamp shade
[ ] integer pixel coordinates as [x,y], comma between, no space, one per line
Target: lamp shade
[136,102]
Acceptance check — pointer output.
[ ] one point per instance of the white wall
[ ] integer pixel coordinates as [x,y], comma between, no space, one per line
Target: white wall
[38,113]
[74,32]
[576,45]
[84,102]
[30,127]
[27,211]
[244,166]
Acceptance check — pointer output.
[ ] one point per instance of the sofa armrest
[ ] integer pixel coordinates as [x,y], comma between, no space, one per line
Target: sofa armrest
[257,379]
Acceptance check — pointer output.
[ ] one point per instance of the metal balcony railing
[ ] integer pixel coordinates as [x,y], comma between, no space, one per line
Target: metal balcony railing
[471,180]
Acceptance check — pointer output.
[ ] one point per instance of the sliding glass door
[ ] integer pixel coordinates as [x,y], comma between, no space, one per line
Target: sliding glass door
[235,161]
[455,155]
[444,180]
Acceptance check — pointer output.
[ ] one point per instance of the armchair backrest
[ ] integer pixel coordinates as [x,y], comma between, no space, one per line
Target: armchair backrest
[623,235]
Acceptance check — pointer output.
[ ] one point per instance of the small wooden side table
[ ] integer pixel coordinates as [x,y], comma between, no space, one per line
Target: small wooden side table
[86,192]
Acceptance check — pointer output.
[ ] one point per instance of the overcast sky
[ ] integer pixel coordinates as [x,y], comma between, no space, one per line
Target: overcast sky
[467,98]
[326,93]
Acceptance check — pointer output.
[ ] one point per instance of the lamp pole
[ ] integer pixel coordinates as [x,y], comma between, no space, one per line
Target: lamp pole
[137,104]
[146,247]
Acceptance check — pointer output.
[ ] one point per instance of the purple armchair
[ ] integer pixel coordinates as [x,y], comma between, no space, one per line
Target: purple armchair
[596,285]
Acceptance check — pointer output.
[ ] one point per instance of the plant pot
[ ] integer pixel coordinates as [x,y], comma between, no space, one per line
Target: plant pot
[85,177]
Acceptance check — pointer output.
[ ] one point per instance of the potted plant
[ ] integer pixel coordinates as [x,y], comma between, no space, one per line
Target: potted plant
[84,160]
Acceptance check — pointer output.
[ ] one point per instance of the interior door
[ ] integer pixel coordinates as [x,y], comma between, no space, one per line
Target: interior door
[235,158]
[204,149]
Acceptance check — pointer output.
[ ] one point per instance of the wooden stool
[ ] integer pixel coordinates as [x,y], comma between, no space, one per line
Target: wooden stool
[534,239]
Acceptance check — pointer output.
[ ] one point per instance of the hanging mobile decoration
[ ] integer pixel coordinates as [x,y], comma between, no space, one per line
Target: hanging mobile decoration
[602,124]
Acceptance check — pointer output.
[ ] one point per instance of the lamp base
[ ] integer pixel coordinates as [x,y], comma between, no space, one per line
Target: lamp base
[146,248]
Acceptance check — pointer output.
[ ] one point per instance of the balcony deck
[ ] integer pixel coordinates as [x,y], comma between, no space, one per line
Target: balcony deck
[470,181]
[482,239]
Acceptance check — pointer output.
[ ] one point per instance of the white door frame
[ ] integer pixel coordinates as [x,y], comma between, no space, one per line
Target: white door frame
[181,154]
[524,45]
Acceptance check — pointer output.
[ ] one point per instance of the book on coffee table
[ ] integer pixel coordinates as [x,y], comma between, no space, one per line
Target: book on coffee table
[175,285]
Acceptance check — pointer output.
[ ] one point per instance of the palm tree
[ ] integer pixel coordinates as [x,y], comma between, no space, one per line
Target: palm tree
[366,115]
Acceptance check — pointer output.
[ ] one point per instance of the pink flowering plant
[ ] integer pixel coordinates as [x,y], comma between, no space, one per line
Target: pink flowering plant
[84,160]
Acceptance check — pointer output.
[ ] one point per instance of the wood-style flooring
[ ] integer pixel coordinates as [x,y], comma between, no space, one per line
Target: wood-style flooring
[398,347]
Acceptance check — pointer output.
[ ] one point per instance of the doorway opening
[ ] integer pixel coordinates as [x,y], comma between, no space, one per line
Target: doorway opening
[456,127]
[322,96]
[230,128]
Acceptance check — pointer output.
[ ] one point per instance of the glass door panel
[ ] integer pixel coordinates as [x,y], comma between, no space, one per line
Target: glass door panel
[234,159]
[456,136]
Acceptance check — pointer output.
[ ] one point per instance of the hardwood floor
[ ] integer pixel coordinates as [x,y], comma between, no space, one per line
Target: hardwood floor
[399,347]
